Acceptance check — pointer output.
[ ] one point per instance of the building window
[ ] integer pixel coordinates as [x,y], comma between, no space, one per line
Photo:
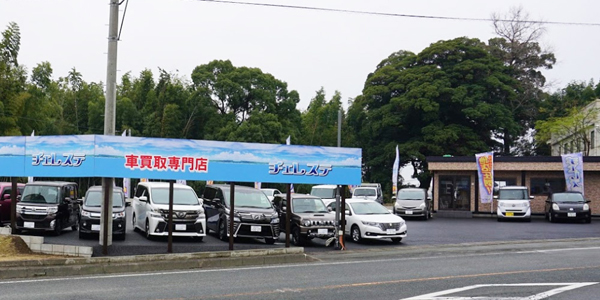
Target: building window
[501,181]
[593,139]
[542,186]
[566,148]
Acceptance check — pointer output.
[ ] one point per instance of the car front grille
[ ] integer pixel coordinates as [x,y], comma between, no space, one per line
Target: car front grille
[386,226]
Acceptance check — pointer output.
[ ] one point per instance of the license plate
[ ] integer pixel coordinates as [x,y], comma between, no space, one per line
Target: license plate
[29,224]
[180,227]
[96,227]
[409,212]
[571,214]
[322,231]
[510,214]
[255,228]
[391,231]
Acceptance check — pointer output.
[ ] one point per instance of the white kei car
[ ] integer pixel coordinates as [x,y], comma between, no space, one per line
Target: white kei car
[151,210]
[367,219]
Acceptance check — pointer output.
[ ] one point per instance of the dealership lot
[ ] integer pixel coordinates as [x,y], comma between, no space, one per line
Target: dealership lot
[436,231]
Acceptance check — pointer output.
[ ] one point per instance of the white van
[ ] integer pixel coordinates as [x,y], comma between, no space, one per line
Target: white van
[151,210]
[326,192]
[368,191]
[513,203]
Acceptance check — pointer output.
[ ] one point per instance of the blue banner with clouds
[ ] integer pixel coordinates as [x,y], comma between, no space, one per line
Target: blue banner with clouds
[157,158]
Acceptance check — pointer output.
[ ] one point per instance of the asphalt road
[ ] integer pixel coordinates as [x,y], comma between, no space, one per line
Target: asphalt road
[557,270]
[436,231]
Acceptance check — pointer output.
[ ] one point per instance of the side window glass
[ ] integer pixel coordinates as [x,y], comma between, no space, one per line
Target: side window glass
[6,191]
[209,193]
[220,195]
[139,191]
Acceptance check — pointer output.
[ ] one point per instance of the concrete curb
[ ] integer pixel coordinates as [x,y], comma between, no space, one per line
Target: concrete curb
[148,263]
[36,244]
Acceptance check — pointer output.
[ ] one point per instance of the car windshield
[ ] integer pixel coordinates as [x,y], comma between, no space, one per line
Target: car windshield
[308,205]
[269,192]
[369,208]
[94,199]
[410,195]
[327,193]
[365,192]
[250,198]
[510,194]
[568,197]
[180,196]
[40,194]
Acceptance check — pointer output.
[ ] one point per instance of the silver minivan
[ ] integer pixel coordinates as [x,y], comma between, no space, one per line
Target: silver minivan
[413,202]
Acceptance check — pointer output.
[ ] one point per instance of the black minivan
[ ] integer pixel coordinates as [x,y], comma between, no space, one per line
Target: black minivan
[48,206]
[91,211]
[254,215]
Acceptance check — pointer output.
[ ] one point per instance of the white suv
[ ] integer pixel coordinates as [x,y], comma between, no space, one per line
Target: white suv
[151,210]
[513,203]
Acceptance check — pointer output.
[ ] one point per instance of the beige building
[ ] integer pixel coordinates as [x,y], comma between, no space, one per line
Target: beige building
[455,181]
[583,137]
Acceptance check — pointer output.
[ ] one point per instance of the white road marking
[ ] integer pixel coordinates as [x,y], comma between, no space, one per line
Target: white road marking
[559,250]
[565,287]
[309,264]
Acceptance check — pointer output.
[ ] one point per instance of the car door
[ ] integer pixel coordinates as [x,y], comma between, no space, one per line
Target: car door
[5,203]
[139,206]
[210,208]
[73,207]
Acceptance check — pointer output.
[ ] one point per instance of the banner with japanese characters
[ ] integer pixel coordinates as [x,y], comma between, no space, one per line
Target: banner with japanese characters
[485,170]
[573,169]
[177,159]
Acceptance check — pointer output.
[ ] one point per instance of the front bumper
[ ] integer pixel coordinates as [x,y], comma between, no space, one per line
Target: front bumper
[181,227]
[410,212]
[571,215]
[92,225]
[255,230]
[512,213]
[37,222]
[322,232]
[372,232]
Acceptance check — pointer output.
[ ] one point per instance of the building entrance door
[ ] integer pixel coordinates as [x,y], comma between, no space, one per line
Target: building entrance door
[455,193]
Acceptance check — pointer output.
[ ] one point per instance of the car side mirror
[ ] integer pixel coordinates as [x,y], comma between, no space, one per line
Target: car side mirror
[495,197]
[329,209]
[6,197]
[531,197]
[143,198]
[127,204]
[348,213]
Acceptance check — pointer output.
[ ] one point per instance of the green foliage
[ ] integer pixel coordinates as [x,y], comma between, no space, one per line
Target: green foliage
[575,127]
[448,97]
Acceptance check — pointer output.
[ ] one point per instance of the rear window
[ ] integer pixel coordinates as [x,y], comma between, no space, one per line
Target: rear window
[509,194]
[365,192]
[410,195]
[326,193]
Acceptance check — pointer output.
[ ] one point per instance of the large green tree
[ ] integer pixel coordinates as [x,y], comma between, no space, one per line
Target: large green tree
[448,99]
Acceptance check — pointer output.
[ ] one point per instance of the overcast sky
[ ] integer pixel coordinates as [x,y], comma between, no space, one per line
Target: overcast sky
[308,49]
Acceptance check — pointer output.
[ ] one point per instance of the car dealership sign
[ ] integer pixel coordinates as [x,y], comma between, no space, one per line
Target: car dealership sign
[157,158]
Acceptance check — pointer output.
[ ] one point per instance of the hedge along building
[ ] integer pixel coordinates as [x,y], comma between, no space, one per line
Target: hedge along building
[455,182]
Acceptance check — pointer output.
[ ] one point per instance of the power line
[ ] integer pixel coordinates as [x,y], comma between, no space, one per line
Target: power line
[393,14]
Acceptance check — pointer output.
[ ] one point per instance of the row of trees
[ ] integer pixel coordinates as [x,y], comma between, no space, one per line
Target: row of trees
[459,97]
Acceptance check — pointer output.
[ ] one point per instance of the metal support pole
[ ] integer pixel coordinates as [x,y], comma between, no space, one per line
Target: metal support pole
[343,217]
[109,121]
[13,205]
[288,213]
[338,212]
[231,214]
[170,247]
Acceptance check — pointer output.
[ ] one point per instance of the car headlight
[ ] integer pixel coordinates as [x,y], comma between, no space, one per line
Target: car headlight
[118,215]
[85,213]
[422,206]
[586,207]
[500,204]
[52,210]
[526,204]
[402,223]
[274,220]
[307,223]
[555,206]
[154,213]
[370,223]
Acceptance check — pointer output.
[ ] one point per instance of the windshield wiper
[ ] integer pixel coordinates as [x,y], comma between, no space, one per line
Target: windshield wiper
[262,207]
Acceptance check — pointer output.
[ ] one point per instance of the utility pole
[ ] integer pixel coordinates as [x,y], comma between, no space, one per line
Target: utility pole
[109,122]
[339,210]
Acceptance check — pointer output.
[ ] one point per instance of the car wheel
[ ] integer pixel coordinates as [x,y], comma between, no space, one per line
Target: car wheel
[82,235]
[589,219]
[297,239]
[528,219]
[148,236]
[426,216]
[222,231]
[550,218]
[120,237]
[499,219]
[396,240]
[270,241]
[199,239]
[57,228]
[133,222]
[355,234]
[74,227]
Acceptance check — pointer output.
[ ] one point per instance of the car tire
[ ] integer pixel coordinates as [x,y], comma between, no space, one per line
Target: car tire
[528,219]
[120,237]
[74,227]
[297,239]
[550,218]
[133,222]
[426,216]
[147,231]
[269,241]
[589,219]
[396,240]
[82,235]
[355,234]
[499,219]
[57,228]
[222,231]
[199,239]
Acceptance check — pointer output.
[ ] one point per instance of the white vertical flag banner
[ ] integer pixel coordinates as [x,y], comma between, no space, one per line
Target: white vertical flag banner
[485,170]
[573,167]
[181,181]
[288,141]
[30,179]
[395,173]
[257,185]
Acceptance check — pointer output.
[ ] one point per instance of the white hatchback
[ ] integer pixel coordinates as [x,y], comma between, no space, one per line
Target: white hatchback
[368,219]
[513,203]
[151,210]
